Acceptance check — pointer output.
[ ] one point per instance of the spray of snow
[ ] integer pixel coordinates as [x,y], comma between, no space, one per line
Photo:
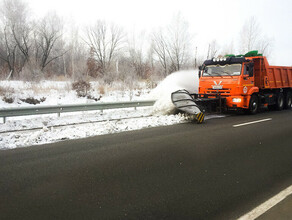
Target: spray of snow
[188,80]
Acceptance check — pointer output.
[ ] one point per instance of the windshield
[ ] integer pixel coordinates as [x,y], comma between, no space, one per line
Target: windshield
[226,70]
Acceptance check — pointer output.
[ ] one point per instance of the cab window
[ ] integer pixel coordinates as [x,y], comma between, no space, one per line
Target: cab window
[248,69]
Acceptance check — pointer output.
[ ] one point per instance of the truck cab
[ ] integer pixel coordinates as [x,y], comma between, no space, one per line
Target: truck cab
[230,77]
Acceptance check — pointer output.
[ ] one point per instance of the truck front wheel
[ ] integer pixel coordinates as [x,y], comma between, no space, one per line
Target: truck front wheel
[253,105]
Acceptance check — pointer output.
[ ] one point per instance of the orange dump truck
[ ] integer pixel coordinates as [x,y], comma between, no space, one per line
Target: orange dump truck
[244,82]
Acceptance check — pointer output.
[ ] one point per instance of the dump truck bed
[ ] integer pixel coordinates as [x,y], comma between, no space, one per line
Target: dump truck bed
[271,77]
[279,77]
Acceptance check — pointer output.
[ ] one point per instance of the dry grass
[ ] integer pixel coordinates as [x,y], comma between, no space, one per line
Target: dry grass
[60,78]
[101,89]
[68,87]
[6,91]
[7,94]
[41,88]
[2,90]
[33,101]
[81,87]
[8,99]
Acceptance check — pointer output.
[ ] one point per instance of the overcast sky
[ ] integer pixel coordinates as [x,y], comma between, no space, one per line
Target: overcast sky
[208,19]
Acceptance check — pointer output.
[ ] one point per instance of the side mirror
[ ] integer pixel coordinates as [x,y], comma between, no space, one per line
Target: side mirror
[201,68]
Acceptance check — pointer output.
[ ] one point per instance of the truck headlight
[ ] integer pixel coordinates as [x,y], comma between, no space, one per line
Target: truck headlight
[236,100]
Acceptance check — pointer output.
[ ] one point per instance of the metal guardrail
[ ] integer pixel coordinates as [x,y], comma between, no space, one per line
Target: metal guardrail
[37,110]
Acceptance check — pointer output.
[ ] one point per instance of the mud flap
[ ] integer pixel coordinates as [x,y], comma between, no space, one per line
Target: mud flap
[184,102]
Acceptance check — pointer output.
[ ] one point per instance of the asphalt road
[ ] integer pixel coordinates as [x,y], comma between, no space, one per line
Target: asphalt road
[185,171]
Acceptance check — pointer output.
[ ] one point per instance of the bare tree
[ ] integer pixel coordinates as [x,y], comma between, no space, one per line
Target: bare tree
[16,32]
[27,43]
[265,45]
[150,56]
[251,38]
[77,56]
[8,51]
[160,49]
[105,41]
[159,46]
[249,35]
[136,46]
[172,45]
[179,40]
[49,45]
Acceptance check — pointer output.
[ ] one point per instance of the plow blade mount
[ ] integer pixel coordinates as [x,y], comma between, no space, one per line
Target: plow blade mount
[183,101]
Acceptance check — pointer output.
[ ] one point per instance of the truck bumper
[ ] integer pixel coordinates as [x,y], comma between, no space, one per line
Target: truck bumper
[210,103]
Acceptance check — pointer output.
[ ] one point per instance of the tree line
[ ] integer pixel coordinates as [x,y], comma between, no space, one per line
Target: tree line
[46,47]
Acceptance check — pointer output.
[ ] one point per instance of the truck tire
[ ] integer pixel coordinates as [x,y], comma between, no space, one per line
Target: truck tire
[280,101]
[288,100]
[253,105]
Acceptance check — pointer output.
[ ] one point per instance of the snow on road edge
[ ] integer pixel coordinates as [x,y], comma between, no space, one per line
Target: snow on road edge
[70,132]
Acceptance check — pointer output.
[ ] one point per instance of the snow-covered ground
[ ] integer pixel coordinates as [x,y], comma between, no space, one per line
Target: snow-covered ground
[60,92]
[80,126]
[43,129]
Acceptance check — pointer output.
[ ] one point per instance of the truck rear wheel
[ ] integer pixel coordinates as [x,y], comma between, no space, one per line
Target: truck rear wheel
[288,100]
[280,102]
[253,105]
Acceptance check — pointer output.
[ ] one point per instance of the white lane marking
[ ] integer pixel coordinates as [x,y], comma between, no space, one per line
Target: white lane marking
[264,207]
[252,122]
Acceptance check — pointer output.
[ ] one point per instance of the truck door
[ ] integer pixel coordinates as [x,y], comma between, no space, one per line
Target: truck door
[248,77]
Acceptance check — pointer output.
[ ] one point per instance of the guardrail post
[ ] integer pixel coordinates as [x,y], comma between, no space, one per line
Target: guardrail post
[4,120]
[59,113]
[135,108]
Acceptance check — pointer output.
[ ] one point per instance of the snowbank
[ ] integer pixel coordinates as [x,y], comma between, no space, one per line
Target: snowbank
[85,126]
[50,128]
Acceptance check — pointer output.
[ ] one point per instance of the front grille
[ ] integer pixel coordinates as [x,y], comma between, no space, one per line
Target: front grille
[223,92]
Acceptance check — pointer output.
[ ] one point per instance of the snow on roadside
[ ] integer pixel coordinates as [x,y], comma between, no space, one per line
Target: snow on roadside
[54,134]
[51,127]
[51,120]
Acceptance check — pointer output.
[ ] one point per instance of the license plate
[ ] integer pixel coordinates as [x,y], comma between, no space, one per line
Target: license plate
[217,87]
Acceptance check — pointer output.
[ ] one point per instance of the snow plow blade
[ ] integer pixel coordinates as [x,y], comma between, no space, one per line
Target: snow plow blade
[183,101]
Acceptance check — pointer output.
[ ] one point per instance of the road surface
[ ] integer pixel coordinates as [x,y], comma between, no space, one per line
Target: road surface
[188,171]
